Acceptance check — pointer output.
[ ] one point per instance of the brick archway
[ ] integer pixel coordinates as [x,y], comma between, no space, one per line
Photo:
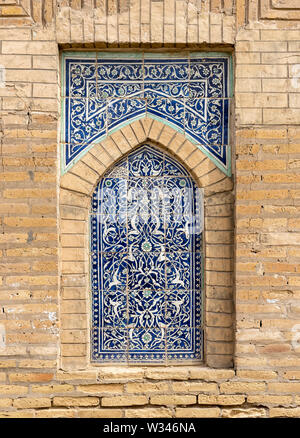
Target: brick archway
[76,188]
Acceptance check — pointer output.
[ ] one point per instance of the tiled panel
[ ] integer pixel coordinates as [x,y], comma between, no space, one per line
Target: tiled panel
[146,262]
[103,92]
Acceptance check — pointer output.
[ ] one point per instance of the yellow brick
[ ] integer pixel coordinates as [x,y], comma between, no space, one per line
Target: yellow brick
[292,375]
[287,413]
[284,387]
[12,10]
[101,389]
[99,413]
[28,403]
[56,413]
[221,399]
[13,389]
[44,177]
[31,252]
[36,363]
[29,222]
[18,414]
[14,267]
[14,208]
[266,400]
[256,374]
[44,266]
[30,47]
[145,387]
[14,176]
[30,377]
[7,363]
[177,373]
[263,133]
[160,412]
[52,389]
[73,306]
[75,401]
[262,194]
[198,412]
[72,350]
[242,387]
[74,182]
[190,387]
[173,400]
[126,400]
[29,193]
[30,308]
[5,402]
[120,374]
[243,413]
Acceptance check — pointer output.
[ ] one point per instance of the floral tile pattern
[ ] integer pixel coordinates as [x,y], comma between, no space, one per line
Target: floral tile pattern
[146,262]
[188,91]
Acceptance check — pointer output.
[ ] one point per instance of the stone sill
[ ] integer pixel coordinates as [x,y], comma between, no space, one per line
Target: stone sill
[124,374]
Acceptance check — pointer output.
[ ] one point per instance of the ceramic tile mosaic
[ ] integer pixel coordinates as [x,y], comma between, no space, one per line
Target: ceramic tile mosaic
[102,92]
[146,230]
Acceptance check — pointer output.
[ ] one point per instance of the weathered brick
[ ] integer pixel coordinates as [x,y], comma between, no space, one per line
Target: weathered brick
[173,400]
[75,401]
[125,400]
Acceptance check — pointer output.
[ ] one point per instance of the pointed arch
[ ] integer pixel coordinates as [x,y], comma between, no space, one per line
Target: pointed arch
[76,189]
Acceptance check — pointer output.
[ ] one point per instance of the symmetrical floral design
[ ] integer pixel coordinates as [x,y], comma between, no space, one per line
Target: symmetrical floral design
[190,92]
[146,228]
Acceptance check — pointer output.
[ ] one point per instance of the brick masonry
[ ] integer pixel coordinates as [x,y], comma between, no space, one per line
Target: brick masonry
[252,276]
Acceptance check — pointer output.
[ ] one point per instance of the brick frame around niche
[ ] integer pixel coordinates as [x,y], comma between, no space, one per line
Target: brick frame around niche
[76,188]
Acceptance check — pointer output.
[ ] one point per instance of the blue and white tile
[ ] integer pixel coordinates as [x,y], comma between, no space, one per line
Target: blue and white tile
[119,90]
[117,78]
[179,270]
[86,120]
[119,111]
[80,78]
[165,89]
[147,340]
[179,308]
[112,270]
[146,308]
[143,288]
[146,161]
[146,233]
[112,344]
[184,345]
[114,70]
[214,72]
[174,168]
[180,339]
[110,198]
[165,70]
[113,308]
[145,198]
[170,111]
[146,270]
[178,234]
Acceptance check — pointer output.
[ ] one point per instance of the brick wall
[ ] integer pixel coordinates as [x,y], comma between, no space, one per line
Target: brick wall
[43,313]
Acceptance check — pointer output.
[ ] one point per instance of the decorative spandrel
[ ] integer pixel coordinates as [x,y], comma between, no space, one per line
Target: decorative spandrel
[189,91]
[146,261]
